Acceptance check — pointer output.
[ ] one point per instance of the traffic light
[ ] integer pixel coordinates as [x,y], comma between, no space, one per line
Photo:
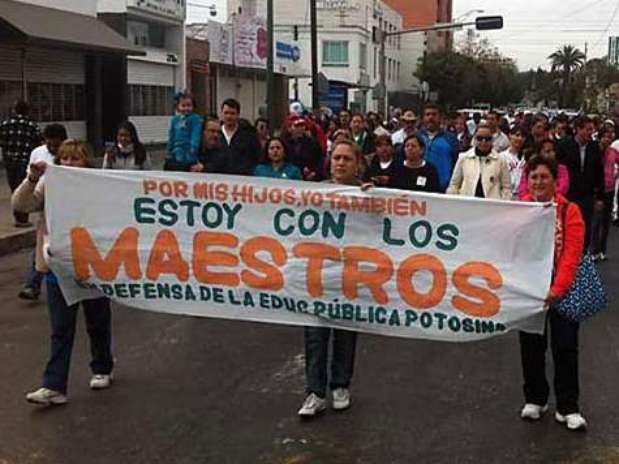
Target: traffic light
[487,23]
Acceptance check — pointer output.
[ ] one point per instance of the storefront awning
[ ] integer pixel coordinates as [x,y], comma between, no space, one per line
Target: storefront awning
[36,25]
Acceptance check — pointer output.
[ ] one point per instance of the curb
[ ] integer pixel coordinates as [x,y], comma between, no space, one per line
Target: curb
[15,241]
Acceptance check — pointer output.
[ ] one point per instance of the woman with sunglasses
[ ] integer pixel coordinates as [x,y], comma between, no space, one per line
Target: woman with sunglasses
[481,172]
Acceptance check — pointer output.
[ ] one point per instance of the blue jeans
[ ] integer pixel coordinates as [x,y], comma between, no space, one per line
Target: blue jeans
[63,319]
[564,346]
[316,357]
[34,277]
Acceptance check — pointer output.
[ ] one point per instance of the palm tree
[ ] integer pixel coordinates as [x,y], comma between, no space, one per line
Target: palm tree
[566,60]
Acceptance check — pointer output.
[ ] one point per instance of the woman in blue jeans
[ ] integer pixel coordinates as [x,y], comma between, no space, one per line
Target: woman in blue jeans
[345,164]
[29,197]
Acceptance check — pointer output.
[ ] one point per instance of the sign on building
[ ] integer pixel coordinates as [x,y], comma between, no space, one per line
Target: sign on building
[250,42]
[221,41]
[170,8]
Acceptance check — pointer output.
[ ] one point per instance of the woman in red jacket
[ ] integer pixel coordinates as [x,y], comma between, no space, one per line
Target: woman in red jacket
[569,245]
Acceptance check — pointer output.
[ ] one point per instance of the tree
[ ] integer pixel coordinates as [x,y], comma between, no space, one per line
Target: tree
[475,73]
[565,62]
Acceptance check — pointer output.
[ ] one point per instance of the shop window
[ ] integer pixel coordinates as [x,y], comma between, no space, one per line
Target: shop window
[56,102]
[150,100]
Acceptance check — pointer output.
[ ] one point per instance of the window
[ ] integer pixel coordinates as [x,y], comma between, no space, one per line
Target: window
[335,53]
[363,56]
[150,100]
[56,102]
[375,61]
[10,92]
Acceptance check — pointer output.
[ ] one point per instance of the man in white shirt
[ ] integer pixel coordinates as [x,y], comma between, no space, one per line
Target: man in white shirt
[500,141]
[409,127]
[54,135]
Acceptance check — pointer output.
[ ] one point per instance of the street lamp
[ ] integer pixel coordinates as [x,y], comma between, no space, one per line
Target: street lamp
[481,23]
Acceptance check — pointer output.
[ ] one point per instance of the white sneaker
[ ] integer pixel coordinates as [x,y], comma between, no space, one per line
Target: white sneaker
[532,411]
[46,397]
[573,421]
[100,381]
[341,399]
[603,257]
[312,405]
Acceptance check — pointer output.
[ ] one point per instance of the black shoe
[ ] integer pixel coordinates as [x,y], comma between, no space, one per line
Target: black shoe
[23,225]
[29,294]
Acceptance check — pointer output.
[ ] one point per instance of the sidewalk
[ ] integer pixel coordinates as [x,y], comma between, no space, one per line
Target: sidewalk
[13,239]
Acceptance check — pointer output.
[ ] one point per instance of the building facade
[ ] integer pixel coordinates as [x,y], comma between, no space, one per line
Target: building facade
[63,61]
[416,13]
[348,49]
[156,27]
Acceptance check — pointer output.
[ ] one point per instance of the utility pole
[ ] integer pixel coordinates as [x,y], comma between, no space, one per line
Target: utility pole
[382,100]
[314,47]
[271,103]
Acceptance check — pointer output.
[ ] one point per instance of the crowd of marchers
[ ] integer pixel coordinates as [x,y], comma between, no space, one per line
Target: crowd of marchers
[569,162]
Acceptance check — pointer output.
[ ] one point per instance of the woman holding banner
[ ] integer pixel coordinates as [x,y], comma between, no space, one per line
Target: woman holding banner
[29,197]
[569,244]
[345,169]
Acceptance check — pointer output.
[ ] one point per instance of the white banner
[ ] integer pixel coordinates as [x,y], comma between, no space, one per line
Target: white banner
[386,262]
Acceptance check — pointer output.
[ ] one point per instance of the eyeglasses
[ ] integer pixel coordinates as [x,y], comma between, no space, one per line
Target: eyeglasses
[481,138]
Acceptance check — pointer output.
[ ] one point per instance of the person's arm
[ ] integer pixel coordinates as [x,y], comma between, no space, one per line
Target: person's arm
[523,188]
[195,137]
[573,245]
[433,183]
[456,178]
[599,177]
[295,173]
[147,165]
[505,180]
[563,180]
[171,139]
[29,196]
[106,161]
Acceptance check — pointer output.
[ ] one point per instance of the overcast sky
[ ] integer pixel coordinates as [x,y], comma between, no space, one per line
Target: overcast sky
[536,28]
[533,28]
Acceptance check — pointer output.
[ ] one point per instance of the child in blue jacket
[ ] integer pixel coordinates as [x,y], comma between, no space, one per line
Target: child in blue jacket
[185,136]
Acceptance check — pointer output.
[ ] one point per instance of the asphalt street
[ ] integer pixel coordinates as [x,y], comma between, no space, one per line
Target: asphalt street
[191,390]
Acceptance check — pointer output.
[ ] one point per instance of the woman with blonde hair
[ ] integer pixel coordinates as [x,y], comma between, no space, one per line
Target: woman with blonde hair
[29,197]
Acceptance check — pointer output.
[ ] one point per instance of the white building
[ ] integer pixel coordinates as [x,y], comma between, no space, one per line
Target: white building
[64,62]
[348,52]
[157,27]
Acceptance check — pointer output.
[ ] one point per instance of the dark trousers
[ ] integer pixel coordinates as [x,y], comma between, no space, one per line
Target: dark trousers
[35,278]
[601,225]
[316,357]
[586,209]
[564,345]
[63,319]
[15,174]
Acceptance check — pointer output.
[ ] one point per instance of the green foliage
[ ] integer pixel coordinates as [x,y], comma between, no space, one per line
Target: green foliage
[462,78]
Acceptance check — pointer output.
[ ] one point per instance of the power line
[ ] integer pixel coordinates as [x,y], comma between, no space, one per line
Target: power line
[609,24]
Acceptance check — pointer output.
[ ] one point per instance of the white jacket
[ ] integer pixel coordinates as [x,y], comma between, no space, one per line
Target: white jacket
[494,172]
